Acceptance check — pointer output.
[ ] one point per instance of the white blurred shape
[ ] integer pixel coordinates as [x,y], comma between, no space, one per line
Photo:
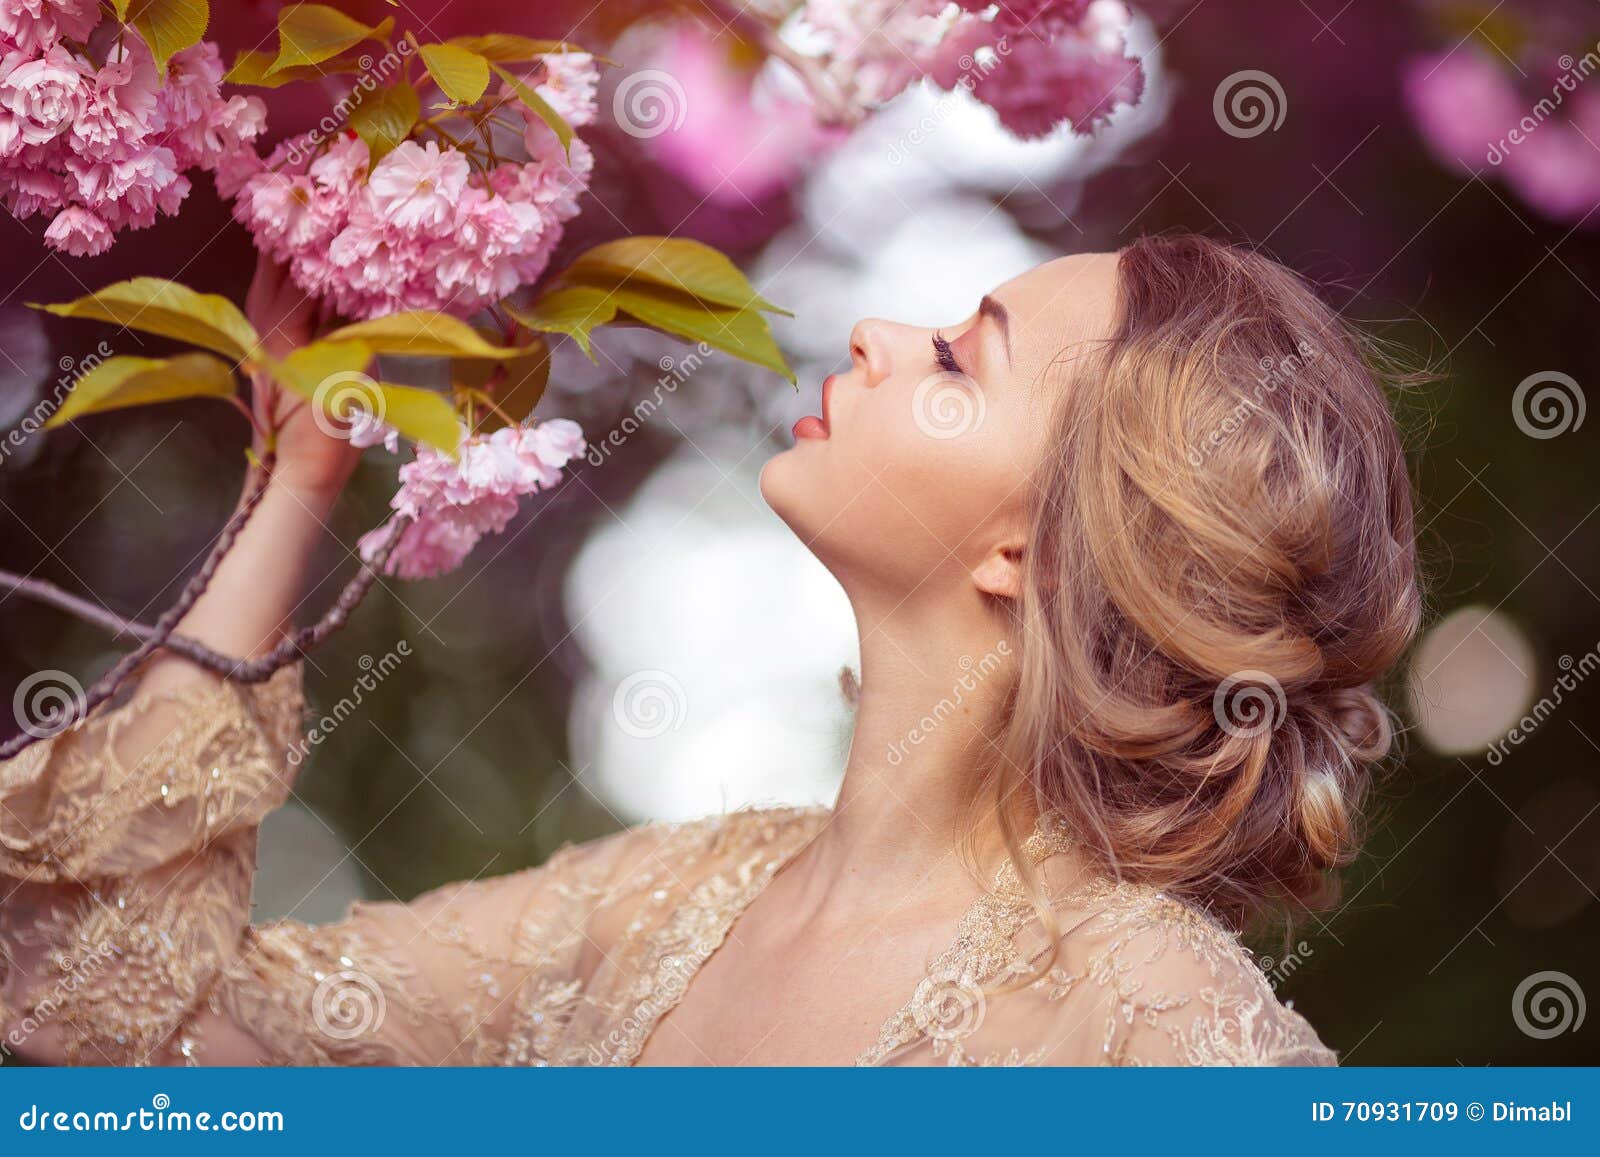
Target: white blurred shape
[1472,677]
[701,593]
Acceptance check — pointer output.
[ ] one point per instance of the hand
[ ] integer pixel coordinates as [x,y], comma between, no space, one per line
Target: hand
[311,456]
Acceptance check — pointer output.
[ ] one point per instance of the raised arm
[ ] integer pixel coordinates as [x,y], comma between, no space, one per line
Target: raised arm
[127,848]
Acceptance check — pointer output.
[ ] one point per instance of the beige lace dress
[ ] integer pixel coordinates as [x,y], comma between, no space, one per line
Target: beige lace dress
[125,935]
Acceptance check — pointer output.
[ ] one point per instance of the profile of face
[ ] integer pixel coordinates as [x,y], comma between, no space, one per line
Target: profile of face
[915,475]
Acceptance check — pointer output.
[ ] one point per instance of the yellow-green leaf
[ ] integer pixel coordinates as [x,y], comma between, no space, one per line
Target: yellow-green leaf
[385,117]
[255,68]
[672,262]
[740,332]
[422,333]
[461,75]
[168,308]
[504,46]
[311,33]
[126,380]
[527,95]
[168,26]
[333,375]
[574,310]
[120,7]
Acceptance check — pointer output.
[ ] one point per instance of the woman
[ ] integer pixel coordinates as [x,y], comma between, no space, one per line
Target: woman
[1173,516]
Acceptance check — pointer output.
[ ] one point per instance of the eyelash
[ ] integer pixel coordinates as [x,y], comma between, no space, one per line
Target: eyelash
[943,355]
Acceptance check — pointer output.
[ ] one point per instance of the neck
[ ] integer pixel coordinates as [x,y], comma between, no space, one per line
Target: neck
[933,690]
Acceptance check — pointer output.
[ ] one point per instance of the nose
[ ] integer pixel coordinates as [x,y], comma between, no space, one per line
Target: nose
[869,349]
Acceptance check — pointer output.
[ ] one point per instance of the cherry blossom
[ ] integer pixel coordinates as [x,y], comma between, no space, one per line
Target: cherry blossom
[451,504]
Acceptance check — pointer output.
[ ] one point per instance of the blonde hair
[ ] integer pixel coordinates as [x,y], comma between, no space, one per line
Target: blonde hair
[1221,565]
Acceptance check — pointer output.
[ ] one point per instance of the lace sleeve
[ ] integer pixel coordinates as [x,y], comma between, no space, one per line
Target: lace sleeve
[1180,990]
[125,898]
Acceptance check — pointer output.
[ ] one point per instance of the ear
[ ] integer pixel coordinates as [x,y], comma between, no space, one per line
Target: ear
[1000,573]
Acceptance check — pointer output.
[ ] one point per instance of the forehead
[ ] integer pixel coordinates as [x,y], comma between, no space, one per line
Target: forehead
[1057,307]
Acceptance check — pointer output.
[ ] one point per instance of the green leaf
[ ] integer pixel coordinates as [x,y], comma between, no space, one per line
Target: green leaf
[422,333]
[576,310]
[573,310]
[255,68]
[311,33]
[168,26]
[385,117]
[120,7]
[462,75]
[333,375]
[168,308]
[528,96]
[126,380]
[505,47]
[740,332]
[673,262]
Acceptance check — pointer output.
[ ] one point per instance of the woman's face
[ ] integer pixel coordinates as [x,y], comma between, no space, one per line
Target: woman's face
[916,470]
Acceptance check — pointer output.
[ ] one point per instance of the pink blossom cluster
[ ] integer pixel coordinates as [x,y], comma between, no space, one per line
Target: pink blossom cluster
[426,227]
[1037,63]
[453,504]
[1540,134]
[103,146]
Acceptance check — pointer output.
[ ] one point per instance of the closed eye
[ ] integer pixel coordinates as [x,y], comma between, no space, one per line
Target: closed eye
[944,355]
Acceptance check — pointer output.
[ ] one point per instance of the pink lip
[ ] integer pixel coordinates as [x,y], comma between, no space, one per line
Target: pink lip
[812,426]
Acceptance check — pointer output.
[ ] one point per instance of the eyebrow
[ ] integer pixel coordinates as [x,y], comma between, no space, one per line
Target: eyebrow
[992,309]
